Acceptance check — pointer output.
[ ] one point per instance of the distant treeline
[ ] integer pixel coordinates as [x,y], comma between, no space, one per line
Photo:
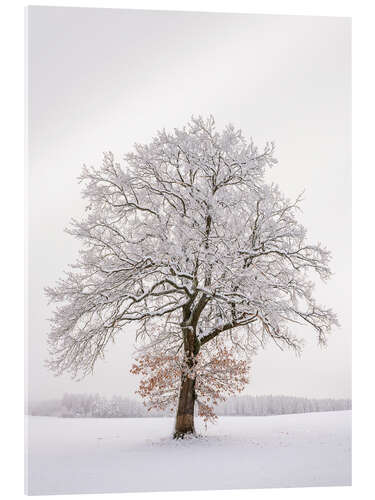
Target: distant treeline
[94,405]
[89,405]
[279,405]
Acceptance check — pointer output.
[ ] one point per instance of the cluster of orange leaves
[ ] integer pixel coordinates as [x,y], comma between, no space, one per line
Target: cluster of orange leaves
[218,374]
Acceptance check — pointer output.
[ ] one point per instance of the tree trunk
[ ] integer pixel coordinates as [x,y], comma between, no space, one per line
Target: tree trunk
[185,411]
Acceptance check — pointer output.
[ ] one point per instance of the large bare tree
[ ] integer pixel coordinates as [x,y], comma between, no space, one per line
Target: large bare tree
[186,240]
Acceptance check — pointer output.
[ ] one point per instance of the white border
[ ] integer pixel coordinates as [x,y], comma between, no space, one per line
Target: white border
[12,215]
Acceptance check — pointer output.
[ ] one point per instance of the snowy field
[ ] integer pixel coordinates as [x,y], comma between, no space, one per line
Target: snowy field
[137,454]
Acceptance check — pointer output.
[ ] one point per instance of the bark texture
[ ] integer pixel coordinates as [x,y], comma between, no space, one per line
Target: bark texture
[185,410]
[186,401]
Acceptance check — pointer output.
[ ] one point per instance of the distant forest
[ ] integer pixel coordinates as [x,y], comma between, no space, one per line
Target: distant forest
[96,406]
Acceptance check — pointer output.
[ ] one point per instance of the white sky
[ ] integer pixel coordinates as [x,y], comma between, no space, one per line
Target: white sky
[103,79]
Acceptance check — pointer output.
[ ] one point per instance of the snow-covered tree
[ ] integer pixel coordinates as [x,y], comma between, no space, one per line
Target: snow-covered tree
[186,240]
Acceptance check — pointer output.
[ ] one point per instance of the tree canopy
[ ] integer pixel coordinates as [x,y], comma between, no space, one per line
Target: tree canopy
[186,235]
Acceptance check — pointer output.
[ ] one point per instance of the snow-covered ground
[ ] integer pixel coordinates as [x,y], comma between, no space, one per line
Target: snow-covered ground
[119,455]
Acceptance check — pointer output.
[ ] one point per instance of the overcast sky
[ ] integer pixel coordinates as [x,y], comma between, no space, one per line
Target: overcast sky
[102,79]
